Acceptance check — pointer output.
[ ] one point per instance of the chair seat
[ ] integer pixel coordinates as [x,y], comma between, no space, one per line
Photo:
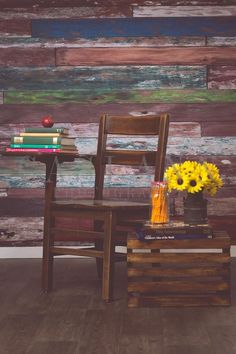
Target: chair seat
[99,204]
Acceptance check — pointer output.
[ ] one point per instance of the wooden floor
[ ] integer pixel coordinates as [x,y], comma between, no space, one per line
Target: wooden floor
[74,320]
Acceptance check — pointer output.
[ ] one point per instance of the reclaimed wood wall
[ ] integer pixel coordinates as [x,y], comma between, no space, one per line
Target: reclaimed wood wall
[78,59]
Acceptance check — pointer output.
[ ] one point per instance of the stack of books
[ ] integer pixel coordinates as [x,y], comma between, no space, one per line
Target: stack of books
[174,231]
[43,139]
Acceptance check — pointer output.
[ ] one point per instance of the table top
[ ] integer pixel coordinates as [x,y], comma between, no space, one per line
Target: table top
[39,153]
[44,156]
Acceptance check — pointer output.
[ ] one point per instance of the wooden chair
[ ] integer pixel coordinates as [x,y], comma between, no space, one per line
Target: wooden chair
[107,215]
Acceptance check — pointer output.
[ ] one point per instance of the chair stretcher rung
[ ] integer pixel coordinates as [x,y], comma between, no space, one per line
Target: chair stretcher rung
[79,233]
[86,252]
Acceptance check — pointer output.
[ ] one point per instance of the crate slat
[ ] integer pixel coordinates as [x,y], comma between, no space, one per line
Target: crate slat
[187,273]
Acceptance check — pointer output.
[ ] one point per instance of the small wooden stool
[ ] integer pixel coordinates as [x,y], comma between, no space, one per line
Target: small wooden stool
[189,272]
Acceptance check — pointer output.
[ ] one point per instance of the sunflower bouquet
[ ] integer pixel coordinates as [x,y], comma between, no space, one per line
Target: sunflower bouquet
[193,177]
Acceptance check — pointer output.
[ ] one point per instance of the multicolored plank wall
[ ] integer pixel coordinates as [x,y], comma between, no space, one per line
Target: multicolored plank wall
[76,61]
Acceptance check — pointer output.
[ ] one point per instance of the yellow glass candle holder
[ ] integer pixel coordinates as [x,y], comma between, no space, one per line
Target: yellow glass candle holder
[159,203]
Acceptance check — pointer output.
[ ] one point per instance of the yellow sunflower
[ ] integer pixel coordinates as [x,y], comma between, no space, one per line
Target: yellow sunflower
[195,183]
[178,182]
[193,177]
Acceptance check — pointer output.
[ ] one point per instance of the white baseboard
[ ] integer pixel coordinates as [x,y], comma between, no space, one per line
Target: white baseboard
[36,252]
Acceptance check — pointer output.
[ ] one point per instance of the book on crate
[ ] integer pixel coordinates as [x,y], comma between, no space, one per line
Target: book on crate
[174,231]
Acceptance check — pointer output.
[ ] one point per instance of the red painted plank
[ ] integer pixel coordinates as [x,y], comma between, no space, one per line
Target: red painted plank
[91,129]
[15,27]
[222,77]
[146,56]
[122,3]
[89,113]
[27,57]
[228,128]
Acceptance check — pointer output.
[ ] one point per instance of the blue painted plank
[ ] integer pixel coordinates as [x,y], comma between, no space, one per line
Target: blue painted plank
[135,27]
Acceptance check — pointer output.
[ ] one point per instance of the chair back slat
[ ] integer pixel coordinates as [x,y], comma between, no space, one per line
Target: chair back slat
[128,126]
[131,158]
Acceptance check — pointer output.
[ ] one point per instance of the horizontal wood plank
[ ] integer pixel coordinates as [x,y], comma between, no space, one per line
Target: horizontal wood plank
[80,167]
[101,78]
[146,56]
[178,258]
[179,300]
[157,41]
[96,96]
[177,272]
[84,113]
[16,27]
[126,27]
[21,231]
[180,146]
[74,3]
[181,287]
[221,41]
[64,12]
[176,244]
[27,57]
[91,129]
[16,215]
[222,77]
[219,129]
[183,11]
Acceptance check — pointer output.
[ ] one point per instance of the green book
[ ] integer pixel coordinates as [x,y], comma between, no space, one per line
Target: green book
[61,130]
[36,146]
[42,140]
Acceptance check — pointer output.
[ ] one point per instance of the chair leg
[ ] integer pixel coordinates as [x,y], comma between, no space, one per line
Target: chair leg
[99,261]
[47,264]
[98,226]
[48,240]
[108,258]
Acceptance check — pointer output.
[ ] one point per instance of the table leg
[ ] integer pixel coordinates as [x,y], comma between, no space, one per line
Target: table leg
[50,184]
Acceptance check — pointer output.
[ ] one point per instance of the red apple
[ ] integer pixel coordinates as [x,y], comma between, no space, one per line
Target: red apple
[47,121]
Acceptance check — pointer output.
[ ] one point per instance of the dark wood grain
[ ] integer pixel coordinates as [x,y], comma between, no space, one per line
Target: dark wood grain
[146,56]
[27,57]
[18,27]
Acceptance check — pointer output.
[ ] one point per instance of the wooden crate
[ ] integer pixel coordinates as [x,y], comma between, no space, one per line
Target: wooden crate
[179,272]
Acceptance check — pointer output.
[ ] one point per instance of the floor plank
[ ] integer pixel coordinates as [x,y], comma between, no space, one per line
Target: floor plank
[73,319]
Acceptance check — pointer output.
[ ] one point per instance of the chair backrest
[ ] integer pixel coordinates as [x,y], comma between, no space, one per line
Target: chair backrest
[129,126]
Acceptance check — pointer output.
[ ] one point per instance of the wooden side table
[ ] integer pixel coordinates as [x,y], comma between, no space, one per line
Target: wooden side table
[189,272]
